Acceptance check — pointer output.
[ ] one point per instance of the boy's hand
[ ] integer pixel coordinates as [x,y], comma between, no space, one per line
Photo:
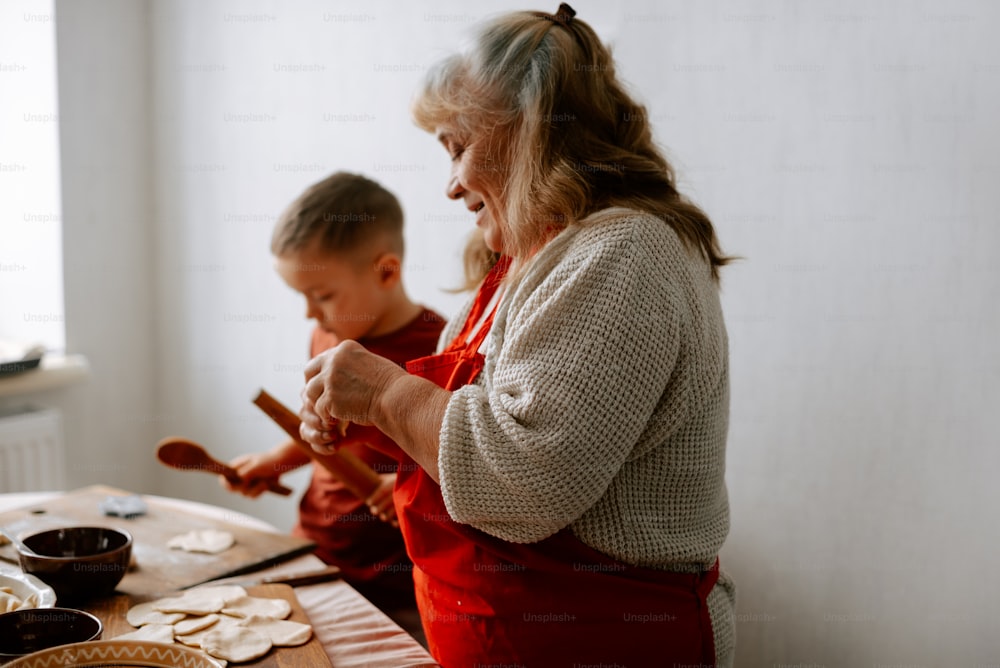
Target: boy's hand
[380,502]
[255,471]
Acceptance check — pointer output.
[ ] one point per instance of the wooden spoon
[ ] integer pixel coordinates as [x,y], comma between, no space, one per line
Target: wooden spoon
[180,453]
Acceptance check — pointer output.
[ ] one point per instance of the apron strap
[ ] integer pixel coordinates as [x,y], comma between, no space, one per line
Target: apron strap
[483,298]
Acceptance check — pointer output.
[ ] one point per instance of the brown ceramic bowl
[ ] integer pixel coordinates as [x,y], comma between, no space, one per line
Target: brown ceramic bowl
[25,631]
[78,562]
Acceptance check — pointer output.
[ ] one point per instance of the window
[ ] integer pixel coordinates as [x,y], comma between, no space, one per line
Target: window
[31,288]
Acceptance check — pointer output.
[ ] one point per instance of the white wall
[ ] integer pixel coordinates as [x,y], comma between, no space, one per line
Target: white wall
[848,150]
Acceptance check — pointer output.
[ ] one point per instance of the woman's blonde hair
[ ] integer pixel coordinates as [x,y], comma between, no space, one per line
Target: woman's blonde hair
[541,89]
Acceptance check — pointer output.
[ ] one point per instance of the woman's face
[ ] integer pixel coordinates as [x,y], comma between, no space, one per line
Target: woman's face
[476,180]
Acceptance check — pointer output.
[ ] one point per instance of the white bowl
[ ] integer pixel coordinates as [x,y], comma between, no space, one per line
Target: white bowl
[24,585]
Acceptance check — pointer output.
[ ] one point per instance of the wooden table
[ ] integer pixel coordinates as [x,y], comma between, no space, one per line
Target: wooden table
[354,633]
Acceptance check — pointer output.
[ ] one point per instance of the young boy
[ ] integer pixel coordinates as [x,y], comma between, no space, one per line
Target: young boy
[340,245]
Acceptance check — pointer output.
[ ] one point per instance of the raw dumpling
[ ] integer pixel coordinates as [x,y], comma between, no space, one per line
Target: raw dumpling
[236,644]
[283,633]
[211,541]
[143,613]
[152,632]
[194,624]
[250,606]
[191,603]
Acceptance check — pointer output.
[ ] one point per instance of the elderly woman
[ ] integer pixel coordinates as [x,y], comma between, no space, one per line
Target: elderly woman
[562,489]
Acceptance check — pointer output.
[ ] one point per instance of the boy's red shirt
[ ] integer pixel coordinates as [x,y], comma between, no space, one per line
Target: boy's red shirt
[370,552]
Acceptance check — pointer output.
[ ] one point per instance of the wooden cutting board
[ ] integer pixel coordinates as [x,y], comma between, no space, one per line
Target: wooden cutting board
[157,567]
[111,611]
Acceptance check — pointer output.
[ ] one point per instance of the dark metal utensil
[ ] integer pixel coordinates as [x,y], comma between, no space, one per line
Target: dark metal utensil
[21,547]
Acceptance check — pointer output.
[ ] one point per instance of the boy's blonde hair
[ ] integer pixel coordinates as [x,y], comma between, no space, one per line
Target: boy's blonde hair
[562,130]
[343,213]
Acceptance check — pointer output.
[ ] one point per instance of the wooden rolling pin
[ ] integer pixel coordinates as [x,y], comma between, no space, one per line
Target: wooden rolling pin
[357,476]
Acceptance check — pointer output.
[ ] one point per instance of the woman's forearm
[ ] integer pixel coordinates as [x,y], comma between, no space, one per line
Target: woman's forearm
[410,411]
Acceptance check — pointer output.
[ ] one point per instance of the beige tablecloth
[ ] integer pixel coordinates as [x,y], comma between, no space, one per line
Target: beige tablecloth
[354,633]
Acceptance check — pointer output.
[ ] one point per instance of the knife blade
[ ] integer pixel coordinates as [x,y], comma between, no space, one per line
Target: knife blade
[292,579]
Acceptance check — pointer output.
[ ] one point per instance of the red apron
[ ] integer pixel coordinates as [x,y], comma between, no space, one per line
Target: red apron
[553,603]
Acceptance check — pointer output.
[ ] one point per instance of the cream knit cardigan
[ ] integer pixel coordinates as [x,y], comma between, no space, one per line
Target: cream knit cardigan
[603,405]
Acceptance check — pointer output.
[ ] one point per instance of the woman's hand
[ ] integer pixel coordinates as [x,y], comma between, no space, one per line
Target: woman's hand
[343,383]
[380,502]
[349,383]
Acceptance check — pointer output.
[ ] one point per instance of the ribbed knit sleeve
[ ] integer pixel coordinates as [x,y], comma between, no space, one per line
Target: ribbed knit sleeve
[581,354]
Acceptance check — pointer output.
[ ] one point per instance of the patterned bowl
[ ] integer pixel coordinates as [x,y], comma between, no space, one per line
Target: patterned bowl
[115,654]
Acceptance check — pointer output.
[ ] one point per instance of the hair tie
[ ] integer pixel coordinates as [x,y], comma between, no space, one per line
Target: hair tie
[563,16]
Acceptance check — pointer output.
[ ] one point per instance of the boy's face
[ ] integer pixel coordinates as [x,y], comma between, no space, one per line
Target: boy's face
[343,296]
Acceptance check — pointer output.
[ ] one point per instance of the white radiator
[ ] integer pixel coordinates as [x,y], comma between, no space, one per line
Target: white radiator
[31,450]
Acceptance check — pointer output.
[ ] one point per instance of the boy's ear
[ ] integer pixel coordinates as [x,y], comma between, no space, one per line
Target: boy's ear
[388,268]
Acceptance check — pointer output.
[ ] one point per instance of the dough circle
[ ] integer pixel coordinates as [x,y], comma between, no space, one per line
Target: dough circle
[236,644]
[194,639]
[194,624]
[283,633]
[251,606]
[144,613]
[211,541]
[228,593]
[151,632]
[190,603]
